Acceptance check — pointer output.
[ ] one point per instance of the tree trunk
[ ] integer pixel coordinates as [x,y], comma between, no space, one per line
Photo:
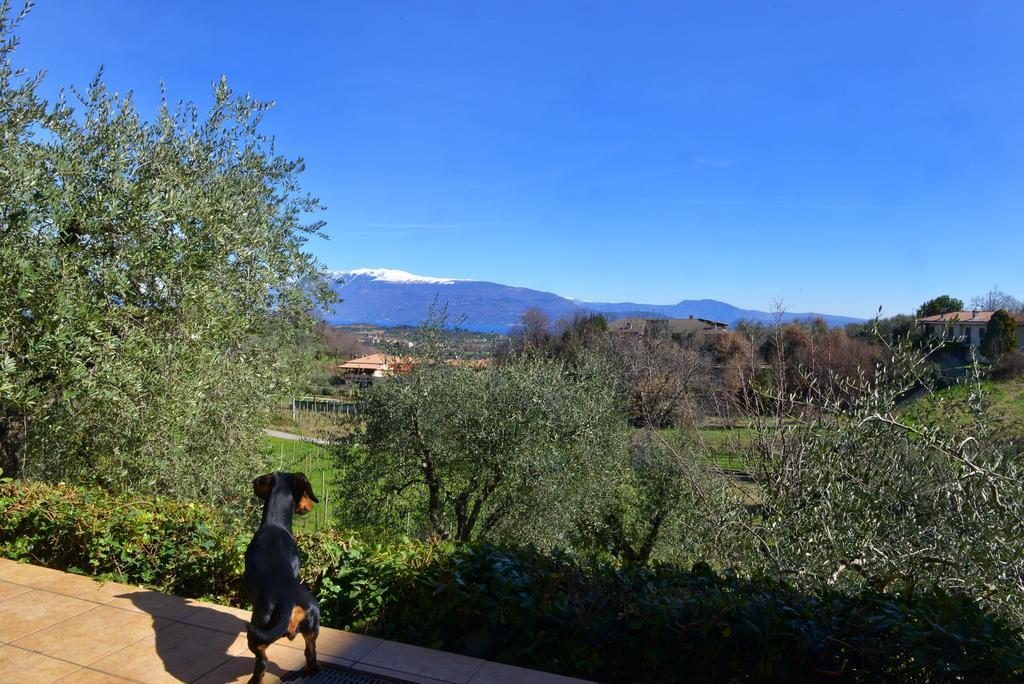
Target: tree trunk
[13,435]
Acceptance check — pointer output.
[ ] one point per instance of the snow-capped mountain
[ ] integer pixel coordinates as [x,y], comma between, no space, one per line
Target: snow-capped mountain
[391,275]
[385,296]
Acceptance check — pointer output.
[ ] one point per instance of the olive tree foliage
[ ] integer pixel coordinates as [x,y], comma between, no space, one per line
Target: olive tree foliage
[152,280]
[672,503]
[519,450]
[856,493]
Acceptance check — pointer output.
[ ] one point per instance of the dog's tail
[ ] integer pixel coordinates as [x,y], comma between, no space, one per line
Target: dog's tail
[272,632]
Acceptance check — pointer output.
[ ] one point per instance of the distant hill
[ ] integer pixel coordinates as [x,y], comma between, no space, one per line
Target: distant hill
[382,296]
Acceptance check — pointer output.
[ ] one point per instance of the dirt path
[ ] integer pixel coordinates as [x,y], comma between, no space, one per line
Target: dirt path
[293,437]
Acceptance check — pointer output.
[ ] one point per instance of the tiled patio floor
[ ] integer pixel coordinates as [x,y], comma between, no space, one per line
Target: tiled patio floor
[57,627]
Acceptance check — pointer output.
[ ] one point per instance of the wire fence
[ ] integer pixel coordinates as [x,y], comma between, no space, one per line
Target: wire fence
[316,460]
[323,405]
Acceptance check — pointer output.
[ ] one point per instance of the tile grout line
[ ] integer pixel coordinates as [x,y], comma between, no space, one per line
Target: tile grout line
[100,672]
[72,617]
[224,662]
[477,670]
[380,642]
[57,593]
[34,631]
[47,655]
[90,665]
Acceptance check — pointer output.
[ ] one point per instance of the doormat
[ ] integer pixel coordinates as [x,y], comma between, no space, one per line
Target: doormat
[330,674]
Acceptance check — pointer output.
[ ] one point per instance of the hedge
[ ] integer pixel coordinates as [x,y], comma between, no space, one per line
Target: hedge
[550,611]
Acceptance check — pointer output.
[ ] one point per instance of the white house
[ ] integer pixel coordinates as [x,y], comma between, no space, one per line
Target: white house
[969,325]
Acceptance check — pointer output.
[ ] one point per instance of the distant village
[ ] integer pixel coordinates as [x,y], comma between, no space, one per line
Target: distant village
[363,370]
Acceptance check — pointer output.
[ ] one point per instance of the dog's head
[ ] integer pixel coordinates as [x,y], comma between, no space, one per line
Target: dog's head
[296,484]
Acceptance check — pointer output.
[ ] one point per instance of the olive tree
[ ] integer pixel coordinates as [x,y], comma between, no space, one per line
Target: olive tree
[519,450]
[152,280]
[671,503]
[855,491]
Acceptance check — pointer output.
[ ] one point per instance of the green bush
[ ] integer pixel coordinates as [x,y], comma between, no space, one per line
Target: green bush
[549,611]
[176,547]
[559,613]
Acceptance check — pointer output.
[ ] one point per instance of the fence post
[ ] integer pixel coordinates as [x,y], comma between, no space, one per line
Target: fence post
[294,417]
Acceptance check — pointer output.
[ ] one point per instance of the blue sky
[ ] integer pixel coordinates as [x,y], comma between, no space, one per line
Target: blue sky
[835,155]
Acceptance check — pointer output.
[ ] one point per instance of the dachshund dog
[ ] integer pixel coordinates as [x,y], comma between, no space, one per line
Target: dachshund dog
[281,606]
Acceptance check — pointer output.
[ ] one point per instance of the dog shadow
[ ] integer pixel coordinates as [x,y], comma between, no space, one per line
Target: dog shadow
[195,643]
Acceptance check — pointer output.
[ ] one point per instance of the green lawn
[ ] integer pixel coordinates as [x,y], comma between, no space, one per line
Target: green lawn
[726,446]
[1005,398]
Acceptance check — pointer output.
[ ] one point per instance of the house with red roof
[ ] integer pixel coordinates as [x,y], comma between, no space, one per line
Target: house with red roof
[969,325]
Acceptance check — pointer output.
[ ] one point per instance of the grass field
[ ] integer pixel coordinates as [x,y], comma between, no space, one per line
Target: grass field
[727,446]
[1005,399]
[317,462]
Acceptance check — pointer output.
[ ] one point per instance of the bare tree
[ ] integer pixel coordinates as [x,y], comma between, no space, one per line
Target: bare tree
[342,343]
[996,299]
[663,380]
[535,332]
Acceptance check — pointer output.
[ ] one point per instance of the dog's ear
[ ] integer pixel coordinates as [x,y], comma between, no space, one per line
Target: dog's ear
[262,485]
[303,491]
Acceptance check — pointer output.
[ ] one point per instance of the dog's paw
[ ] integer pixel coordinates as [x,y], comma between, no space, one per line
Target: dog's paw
[312,668]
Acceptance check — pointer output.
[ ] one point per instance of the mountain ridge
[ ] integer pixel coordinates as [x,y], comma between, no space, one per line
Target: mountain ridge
[383,296]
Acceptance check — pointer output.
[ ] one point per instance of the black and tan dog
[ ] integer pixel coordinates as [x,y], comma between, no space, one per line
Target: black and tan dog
[281,606]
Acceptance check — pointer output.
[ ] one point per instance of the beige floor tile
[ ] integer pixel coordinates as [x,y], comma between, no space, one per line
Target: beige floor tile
[87,676]
[25,667]
[8,589]
[91,635]
[338,644]
[283,661]
[497,673]
[29,575]
[177,653]
[449,667]
[87,588]
[154,603]
[33,610]
[221,618]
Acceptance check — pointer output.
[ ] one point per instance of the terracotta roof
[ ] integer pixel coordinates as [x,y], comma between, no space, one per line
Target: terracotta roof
[966,317]
[402,364]
[371,362]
